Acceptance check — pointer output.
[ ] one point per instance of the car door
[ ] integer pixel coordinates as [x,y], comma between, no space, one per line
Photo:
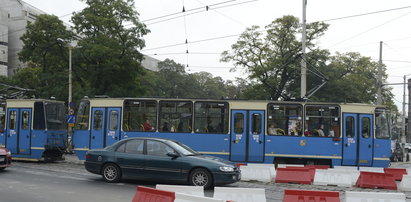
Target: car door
[130,157]
[159,166]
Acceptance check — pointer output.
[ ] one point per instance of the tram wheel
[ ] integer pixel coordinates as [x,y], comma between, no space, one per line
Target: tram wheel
[201,177]
[111,173]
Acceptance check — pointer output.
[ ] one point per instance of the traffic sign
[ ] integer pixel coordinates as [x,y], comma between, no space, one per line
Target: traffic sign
[71,119]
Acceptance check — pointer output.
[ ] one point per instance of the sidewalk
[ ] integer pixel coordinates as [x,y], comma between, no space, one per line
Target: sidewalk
[73,159]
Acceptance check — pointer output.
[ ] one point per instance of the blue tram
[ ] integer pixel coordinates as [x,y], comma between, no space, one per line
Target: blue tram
[243,131]
[33,129]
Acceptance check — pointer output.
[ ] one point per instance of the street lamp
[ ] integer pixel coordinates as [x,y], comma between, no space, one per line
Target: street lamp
[70,46]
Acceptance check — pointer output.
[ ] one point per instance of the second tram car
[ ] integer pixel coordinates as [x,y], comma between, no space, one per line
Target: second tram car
[33,129]
[243,131]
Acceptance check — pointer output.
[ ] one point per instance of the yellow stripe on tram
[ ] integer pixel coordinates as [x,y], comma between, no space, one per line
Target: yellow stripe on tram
[304,156]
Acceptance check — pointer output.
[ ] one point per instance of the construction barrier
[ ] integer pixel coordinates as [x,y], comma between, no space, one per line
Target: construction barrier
[347,168]
[318,166]
[269,166]
[396,172]
[373,197]
[180,197]
[240,194]
[146,194]
[376,180]
[289,165]
[333,177]
[310,196]
[262,174]
[191,190]
[372,169]
[354,174]
[299,175]
[405,184]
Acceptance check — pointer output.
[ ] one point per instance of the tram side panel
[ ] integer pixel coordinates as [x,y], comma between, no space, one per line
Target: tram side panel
[303,150]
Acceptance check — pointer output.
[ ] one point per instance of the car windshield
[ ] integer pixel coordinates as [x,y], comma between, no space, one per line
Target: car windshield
[183,149]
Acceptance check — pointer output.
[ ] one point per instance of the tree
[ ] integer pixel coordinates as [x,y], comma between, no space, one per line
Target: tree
[111,37]
[273,59]
[45,50]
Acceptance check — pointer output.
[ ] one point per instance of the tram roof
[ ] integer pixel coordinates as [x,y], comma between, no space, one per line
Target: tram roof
[257,103]
[27,102]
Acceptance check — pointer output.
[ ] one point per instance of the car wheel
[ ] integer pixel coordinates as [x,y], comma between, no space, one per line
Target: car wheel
[201,177]
[111,173]
[2,168]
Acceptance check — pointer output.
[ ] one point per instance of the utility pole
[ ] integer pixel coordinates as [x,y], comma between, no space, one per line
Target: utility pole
[303,62]
[379,82]
[403,123]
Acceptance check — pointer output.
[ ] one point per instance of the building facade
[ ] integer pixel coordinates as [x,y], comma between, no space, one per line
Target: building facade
[14,16]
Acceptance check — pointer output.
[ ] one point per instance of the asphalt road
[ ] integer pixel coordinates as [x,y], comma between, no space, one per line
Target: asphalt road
[69,181]
[23,183]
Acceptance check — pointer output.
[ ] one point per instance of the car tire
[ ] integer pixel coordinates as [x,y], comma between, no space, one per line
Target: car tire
[111,173]
[201,177]
[2,168]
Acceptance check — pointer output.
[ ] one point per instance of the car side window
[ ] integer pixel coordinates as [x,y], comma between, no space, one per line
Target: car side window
[156,148]
[121,148]
[134,147]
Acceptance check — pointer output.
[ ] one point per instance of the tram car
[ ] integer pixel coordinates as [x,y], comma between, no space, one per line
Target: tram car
[243,130]
[33,129]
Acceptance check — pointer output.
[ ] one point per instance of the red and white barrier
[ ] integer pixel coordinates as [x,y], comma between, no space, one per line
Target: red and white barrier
[180,197]
[191,190]
[373,197]
[240,194]
[145,194]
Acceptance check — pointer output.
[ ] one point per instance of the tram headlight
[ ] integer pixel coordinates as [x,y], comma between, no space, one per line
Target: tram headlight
[226,168]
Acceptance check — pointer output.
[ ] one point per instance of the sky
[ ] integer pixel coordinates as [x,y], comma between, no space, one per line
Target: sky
[355,26]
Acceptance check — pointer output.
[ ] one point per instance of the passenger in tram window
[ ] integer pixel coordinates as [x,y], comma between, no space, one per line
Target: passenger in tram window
[320,130]
[296,130]
[180,127]
[210,127]
[272,130]
[166,127]
[306,131]
[147,126]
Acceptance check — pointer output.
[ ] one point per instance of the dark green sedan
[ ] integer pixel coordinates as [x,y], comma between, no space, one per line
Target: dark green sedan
[160,160]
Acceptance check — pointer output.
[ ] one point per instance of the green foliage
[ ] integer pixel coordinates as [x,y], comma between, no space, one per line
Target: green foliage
[45,49]
[110,60]
[272,59]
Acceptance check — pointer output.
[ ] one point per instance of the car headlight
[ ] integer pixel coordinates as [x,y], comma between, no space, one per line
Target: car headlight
[227,169]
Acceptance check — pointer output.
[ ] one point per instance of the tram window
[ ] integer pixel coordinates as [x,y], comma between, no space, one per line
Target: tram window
[113,125]
[98,120]
[365,124]
[349,127]
[175,116]
[83,115]
[12,124]
[39,121]
[239,123]
[256,124]
[25,120]
[322,121]
[140,115]
[211,117]
[381,124]
[284,119]
[55,116]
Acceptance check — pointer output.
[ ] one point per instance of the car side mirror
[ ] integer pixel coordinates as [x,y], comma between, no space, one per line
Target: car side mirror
[172,155]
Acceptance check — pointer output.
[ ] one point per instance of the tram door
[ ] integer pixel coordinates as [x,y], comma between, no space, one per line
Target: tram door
[357,139]
[18,131]
[105,127]
[247,136]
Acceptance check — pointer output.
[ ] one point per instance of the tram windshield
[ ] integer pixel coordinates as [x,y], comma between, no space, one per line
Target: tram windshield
[381,124]
[55,116]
